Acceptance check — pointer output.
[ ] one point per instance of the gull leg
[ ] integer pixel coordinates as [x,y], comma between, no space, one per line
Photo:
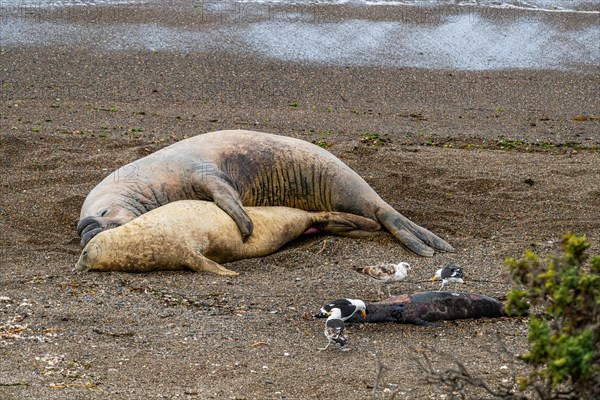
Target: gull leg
[326,347]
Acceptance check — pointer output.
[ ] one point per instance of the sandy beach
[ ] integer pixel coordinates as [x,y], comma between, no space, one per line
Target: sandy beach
[495,160]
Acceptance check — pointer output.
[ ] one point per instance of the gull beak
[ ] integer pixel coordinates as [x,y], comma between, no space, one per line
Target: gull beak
[435,278]
[364,314]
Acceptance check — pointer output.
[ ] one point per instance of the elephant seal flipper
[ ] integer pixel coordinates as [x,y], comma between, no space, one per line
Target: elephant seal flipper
[199,263]
[348,225]
[228,200]
[414,237]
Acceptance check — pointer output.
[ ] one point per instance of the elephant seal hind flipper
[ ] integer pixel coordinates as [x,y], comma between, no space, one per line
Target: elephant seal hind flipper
[413,237]
[349,225]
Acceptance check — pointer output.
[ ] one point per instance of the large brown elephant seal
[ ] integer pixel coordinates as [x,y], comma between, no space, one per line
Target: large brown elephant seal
[199,235]
[243,168]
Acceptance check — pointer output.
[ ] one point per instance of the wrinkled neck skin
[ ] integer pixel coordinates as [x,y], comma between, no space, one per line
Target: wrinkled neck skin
[142,186]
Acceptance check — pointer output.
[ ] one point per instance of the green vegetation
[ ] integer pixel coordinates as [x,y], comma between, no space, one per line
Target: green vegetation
[375,139]
[510,144]
[564,342]
[322,143]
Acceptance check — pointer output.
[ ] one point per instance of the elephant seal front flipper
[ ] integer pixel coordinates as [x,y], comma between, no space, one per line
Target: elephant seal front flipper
[228,200]
[199,263]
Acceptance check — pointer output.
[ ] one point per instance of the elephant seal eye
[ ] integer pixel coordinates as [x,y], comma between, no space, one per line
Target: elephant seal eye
[85,254]
[104,212]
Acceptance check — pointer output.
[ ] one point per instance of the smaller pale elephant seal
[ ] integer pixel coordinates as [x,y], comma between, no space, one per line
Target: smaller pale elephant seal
[199,235]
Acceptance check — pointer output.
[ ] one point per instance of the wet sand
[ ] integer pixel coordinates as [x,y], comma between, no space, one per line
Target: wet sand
[495,161]
[470,38]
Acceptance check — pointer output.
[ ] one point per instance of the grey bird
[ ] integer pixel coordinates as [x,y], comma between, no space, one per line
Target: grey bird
[448,274]
[386,273]
[335,330]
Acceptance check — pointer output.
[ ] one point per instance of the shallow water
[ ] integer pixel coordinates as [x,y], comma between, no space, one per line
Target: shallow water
[65,3]
[463,42]
[474,40]
[540,5]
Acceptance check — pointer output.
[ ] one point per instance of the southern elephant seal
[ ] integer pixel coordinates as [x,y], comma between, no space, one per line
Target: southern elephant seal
[199,235]
[236,168]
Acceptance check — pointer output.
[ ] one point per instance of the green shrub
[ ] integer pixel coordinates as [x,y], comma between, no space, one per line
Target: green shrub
[565,339]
